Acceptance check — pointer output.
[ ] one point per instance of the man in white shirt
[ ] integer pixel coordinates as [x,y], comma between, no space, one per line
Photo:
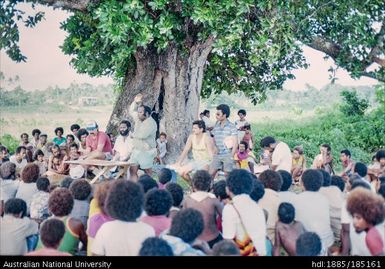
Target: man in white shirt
[19,159]
[281,154]
[243,216]
[123,143]
[312,208]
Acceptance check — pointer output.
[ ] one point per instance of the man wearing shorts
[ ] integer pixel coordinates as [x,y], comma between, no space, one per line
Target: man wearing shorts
[144,149]
[226,140]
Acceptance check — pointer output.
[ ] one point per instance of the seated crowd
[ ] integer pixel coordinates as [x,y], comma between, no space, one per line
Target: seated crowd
[269,204]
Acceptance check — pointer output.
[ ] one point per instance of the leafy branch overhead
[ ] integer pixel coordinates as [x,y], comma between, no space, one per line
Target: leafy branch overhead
[257,43]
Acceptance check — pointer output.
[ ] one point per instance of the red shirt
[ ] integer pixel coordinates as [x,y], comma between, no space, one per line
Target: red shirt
[101,138]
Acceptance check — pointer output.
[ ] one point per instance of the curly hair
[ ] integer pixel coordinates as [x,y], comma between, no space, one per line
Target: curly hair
[7,170]
[80,189]
[287,180]
[326,178]
[369,205]
[219,189]
[157,202]
[239,181]
[176,192]
[43,184]
[187,225]
[51,232]
[312,180]
[60,202]
[271,180]
[147,183]
[15,206]
[30,173]
[154,246]
[101,194]
[380,155]
[308,244]
[258,190]
[201,180]
[125,201]
[164,175]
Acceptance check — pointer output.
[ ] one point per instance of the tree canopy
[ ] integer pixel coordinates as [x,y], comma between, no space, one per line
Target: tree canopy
[256,43]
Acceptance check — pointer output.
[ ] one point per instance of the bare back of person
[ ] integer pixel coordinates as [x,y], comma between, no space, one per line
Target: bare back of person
[208,208]
[288,235]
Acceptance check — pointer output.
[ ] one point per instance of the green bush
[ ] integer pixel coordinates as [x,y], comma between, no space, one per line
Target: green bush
[10,142]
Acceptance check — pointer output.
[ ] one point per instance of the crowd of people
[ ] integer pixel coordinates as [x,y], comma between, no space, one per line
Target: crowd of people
[270,202]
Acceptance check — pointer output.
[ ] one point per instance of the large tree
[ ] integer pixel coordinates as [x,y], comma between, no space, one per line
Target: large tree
[174,51]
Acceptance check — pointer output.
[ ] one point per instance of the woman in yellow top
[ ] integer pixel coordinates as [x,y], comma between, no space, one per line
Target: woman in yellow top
[202,147]
[299,163]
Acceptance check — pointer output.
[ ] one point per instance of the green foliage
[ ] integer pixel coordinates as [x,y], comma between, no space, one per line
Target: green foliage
[361,134]
[352,105]
[10,142]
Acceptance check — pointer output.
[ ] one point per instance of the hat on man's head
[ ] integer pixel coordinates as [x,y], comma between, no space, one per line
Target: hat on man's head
[91,126]
[77,172]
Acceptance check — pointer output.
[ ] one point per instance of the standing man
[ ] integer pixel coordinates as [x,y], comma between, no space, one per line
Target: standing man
[144,149]
[226,141]
[281,158]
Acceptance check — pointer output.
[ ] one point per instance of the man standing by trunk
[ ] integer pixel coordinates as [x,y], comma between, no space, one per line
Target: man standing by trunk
[144,149]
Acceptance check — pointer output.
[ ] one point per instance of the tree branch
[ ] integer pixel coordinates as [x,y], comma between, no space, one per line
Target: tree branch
[80,5]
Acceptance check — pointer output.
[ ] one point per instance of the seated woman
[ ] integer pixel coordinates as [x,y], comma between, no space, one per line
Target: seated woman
[202,148]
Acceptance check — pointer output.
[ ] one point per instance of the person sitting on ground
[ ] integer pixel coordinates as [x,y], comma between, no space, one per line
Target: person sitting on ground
[97,214]
[75,129]
[4,154]
[285,195]
[155,246]
[272,181]
[147,183]
[248,137]
[56,165]
[144,149]
[70,140]
[281,158]
[243,220]
[347,164]
[39,159]
[59,139]
[361,171]
[157,206]
[98,144]
[206,119]
[308,244]
[82,136]
[287,230]
[313,208]
[185,229]
[377,169]
[36,138]
[124,235]
[335,199]
[164,177]
[44,146]
[8,183]
[339,183]
[244,158]
[25,142]
[19,159]
[219,190]
[368,211]
[39,204]
[298,164]
[206,203]
[60,204]
[202,148]
[27,187]
[51,235]
[324,160]
[226,248]
[81,191]
[15,227]
[161,143]
[177,194]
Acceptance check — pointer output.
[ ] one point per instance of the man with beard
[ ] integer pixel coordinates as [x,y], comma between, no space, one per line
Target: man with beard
[123,143]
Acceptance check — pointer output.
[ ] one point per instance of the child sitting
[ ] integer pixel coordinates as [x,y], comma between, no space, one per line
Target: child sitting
[81,191]
[176,192]
[245,159]
[39,159]
[298,164]
[248,136]
[287,230]
[162,147]
[39,204]
[51,234]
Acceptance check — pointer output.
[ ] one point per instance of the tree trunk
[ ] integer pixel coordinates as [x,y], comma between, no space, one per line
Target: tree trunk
[171,84]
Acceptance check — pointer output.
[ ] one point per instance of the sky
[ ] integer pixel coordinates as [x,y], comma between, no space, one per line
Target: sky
[48,66]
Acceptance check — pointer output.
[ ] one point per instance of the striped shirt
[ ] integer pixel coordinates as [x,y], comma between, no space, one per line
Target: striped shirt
[220,134]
